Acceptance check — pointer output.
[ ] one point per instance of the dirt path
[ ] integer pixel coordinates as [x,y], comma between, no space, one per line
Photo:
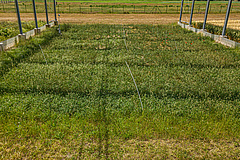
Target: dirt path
[116,18]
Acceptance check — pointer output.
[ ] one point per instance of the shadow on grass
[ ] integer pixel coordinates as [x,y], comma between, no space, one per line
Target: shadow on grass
[234,95]
[12,58]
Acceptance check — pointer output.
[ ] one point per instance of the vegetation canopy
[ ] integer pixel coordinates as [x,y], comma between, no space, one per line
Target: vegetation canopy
[76,99]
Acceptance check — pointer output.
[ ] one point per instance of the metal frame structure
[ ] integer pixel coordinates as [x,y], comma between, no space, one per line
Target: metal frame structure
[206,14]
[180,19]
[226,18]
[45,2]
[19,17]
[55,13]
[190,21]
[35,14]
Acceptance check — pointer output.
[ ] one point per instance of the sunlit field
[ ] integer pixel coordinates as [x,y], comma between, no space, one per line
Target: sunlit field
[76,99]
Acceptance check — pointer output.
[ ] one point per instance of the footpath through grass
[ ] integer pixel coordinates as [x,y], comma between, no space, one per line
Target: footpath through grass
[82,102]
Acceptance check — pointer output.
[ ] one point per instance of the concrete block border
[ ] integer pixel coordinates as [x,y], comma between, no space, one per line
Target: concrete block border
[9,43]
[217,38]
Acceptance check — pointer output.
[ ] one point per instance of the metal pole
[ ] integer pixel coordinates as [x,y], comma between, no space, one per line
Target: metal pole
[206,14]
[55,14]
[190,22]
[35,14]
[180,19]
[19,18]
[45,1]
[227,16]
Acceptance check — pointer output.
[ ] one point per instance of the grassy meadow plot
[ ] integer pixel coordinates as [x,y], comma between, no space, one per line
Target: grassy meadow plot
[83,103]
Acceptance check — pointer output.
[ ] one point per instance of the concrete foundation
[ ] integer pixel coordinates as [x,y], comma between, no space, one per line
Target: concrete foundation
[1,47]
[37,31]
[22,37]
[11,42]
[228,42]
[218,38]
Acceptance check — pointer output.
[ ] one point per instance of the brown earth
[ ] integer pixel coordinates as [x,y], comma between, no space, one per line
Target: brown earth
[119,149]
[116,18]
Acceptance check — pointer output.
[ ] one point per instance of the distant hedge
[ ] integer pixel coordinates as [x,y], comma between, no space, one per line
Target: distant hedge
[232,34]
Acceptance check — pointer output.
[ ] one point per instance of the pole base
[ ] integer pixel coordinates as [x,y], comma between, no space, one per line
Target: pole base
[1,47]
[22,37]
[37,31]
[48,25]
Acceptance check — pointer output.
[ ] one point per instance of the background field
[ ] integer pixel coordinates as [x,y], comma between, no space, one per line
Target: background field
[123,13]
[120,18]
[76,98]
[120,1]
[82,102]
[121,8]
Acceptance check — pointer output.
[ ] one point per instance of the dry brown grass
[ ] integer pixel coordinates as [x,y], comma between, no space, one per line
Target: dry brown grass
[234,24]
[116,18]
[121,149]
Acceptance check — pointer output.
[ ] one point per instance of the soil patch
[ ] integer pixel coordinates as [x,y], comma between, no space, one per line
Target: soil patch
[116,18]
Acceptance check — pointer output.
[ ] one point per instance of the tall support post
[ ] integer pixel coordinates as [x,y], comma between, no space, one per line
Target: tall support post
[19,18]
[35,14]
[206,14]
[36,30]
[190,22]
[227,16]
[55,13]
[180,19]
[45,1]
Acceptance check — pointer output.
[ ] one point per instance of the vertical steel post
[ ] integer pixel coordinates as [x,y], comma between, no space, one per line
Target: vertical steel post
[206,14]
[180,19]
[45,1]
[55,14]
[35,14]
[227,16]
[19,18]
[190,22]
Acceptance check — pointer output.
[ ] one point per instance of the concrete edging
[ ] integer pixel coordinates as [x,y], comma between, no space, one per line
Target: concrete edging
[217,38]
[11,42]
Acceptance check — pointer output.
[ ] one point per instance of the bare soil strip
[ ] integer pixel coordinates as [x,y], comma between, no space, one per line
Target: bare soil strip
[116,18]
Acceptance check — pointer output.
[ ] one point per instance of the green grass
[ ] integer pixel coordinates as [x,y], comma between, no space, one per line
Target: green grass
[11,29]
[84,104]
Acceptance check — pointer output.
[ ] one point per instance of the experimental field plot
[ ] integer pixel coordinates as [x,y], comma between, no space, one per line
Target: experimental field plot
[77,99]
